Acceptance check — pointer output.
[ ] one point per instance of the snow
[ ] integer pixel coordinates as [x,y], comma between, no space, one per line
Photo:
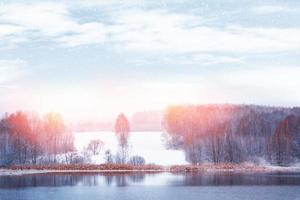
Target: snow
[149,145]
[10,172]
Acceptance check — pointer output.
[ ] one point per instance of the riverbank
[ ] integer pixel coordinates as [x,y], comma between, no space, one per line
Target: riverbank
[124,168]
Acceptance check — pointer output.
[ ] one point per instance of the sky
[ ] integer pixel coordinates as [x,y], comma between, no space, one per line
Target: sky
[93,59]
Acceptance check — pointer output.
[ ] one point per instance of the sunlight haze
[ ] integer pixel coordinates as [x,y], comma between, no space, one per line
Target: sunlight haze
[97,58]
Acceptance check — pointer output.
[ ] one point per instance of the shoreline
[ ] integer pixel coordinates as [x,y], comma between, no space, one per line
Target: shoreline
[12,172]
[115,168]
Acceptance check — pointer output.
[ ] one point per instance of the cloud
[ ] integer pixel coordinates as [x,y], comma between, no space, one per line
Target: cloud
[272,85]
[10,35]
[89,33]
[93,3]
[164,31]
[202,59]
[278,78]
[121,3]
[48,20]
[271,9]
[11,70]
[6,29]
[155,30]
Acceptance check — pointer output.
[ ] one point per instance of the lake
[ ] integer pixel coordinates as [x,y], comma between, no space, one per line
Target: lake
[141,186]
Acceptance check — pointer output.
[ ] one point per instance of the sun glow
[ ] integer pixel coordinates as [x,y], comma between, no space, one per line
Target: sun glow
[68,103]
[97,103]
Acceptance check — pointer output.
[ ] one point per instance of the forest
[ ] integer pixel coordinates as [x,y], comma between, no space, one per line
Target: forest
[28,138]
[235,133]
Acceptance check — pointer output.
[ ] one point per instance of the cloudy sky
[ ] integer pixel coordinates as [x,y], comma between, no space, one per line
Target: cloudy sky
[93,59]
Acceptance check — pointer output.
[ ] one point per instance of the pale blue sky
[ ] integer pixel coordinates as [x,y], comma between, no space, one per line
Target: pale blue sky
[93,59]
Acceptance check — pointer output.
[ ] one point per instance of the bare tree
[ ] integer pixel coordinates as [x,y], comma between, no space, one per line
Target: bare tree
[36,129]
[26,138]
[18,126]
[122,130]
[95,146]
[54,128]
[108,157]
[137,160]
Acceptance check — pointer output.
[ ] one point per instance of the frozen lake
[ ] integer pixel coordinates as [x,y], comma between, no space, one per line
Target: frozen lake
[118,186]
[150,145]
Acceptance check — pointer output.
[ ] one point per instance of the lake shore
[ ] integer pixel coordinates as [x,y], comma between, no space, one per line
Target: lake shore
[117,168]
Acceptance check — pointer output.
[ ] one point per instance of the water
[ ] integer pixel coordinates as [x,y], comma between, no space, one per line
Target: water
[118,186]
[150,145]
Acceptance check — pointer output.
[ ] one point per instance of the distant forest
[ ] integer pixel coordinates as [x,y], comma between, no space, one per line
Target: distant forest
[140,121]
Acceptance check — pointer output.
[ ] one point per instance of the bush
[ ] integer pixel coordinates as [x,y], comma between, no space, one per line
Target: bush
[137,160]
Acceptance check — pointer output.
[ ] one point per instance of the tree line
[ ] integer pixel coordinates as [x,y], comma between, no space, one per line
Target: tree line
[27,138]
[31,139]
[234,133]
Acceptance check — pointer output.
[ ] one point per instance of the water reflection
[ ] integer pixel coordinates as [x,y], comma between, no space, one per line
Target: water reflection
[71,179]
[223,179]
[168,179]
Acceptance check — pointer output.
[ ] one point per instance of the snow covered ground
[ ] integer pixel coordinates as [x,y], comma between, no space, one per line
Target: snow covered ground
[9,172]
[149,145]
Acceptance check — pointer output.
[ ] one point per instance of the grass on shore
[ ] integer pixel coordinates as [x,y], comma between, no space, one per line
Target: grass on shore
[217,167]
[87,167]
[128,167]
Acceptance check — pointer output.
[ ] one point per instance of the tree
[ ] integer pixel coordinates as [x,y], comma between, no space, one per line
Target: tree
[122,130]
[26,138]
[95,146]
[234,133]
[137,160]
[35,139]
[54,128]
[6,147]
[67,146]
[284,144]
[108,157]
[19,129]
[21,132]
